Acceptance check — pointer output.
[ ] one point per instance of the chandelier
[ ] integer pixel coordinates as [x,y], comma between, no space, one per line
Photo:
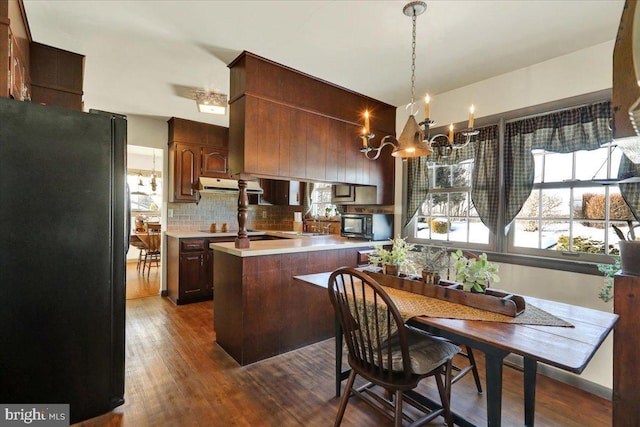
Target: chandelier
[415,139]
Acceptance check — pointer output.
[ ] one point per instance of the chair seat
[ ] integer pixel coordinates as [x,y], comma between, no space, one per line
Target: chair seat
[425,352]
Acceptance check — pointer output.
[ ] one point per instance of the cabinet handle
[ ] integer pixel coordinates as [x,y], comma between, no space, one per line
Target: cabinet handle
[191,291]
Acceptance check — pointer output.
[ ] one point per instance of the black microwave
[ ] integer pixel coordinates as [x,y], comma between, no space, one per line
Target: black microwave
[367,226]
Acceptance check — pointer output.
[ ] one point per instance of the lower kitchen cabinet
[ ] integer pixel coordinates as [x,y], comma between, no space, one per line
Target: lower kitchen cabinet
[189,270]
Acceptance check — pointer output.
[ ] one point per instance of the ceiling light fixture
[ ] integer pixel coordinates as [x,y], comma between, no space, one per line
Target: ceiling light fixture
[211,102]
[415,139]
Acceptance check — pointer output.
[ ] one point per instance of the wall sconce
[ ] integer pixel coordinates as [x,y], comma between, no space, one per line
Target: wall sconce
[211,102]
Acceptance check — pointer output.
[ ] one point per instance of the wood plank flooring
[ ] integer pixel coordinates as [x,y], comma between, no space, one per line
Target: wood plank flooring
[176,375]
[141,285]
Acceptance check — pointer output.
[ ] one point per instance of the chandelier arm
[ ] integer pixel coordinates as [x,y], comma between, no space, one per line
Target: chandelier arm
[387,140]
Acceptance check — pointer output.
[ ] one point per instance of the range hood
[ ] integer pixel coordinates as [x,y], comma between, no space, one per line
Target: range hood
[219,185]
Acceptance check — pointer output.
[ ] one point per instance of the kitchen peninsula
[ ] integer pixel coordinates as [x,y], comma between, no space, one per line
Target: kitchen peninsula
[259,310]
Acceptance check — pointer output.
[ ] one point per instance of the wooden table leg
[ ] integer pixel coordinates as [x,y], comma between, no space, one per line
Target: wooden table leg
[530,370]
[493,362]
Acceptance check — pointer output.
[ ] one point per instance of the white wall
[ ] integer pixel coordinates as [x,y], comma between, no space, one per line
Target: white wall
[578,73]
[584,71]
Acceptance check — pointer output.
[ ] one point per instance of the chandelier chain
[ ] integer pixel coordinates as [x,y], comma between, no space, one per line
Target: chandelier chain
[413,60]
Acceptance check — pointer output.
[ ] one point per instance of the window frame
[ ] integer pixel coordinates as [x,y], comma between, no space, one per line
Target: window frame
[500,246]
[413,237]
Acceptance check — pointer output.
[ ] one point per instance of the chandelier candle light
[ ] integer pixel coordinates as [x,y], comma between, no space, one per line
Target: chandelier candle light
[415,139]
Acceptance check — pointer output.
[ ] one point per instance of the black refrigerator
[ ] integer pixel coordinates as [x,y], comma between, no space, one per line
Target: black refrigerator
[64,230]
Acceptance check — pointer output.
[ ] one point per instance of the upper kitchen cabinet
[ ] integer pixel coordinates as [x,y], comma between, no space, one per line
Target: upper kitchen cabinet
[288,125]
[56,76]
[278,192]
[14,51]
[195,149]
[33,71]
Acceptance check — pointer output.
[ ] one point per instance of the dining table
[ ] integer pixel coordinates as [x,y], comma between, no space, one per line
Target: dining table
[568,345]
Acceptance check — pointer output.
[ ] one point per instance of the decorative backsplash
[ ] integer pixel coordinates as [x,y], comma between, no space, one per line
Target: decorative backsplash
[223,208]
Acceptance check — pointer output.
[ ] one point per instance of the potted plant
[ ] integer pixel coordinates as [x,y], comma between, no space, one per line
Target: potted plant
[432,261]
[629,249]
[609,270]
[392,259]
[474,274]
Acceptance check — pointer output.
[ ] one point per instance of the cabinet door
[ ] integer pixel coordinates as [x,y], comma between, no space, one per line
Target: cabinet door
[18,85]
[277,192]
[208,271]
[214,163]
[186,173]
[191,274]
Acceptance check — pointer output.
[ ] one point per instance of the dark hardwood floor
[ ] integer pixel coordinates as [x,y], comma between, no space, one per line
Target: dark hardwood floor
[176,375]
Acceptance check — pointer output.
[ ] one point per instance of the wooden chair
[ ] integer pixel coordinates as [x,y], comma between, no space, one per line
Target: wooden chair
[152,253]
[468,352]
[136,242]
[385,352]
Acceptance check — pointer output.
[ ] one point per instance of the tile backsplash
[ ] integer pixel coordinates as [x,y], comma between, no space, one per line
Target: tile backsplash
[223,208]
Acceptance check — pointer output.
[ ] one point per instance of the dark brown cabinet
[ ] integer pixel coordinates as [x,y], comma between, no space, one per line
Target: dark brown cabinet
[189,270]
[56,76]
[193,274]
[15,36]
[185,172]
[283,193]
[286,124]
[213,163]
[195,150]
[626,350]
[19,87]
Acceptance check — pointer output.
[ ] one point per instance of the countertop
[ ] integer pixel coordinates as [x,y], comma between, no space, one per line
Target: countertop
[206,234]
[294,244]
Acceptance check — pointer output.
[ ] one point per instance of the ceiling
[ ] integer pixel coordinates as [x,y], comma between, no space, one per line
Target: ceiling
[146,57]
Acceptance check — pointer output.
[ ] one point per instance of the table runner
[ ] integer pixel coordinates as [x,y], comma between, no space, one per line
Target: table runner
[412,305]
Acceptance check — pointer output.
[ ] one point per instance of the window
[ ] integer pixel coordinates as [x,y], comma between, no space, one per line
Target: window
[448,214]
[321,201]
[144,180]
[144,198]
[454,194]
[569,212]
[543,185]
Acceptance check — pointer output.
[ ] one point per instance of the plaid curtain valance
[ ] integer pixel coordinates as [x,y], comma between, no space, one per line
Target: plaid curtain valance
[582,128]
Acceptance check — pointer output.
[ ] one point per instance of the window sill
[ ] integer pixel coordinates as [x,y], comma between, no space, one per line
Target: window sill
[548,263]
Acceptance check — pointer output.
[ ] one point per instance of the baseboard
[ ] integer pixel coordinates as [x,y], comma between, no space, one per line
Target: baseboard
[164,293]
[599,390]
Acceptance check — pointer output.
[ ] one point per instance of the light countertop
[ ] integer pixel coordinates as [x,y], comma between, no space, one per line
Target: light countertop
[206,234]
[295,244]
